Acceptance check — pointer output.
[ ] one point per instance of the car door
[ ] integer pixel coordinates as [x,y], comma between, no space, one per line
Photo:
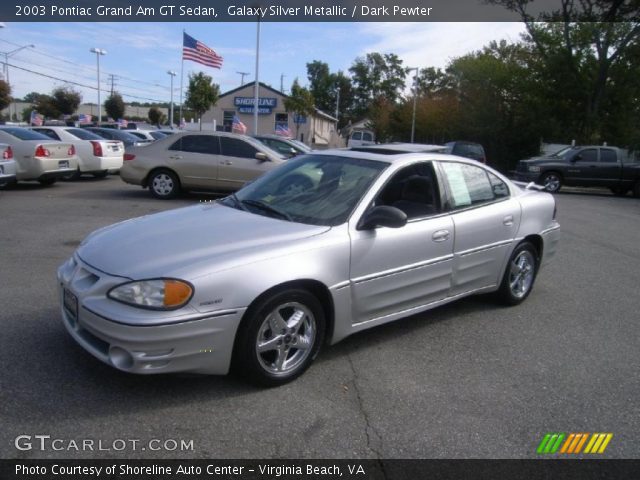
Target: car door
[396,270]
[608,168]
[485,222]
[195,157]
[582,168]
[238,164]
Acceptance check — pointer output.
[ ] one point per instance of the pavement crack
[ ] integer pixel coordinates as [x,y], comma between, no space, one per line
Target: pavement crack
[370,431]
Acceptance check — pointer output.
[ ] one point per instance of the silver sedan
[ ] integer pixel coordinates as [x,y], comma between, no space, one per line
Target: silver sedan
[262,279]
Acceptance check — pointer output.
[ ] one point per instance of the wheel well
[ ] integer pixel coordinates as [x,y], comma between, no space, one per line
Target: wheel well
[145,183]
[316,288]
[536,241]
[559,174]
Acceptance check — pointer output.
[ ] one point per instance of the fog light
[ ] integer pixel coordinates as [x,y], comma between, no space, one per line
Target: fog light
[120,358]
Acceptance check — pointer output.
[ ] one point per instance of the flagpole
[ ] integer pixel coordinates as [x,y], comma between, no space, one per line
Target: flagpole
[181,80]
[256,93]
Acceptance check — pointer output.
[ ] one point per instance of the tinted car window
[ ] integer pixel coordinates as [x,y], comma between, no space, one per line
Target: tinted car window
[197,144]
[608,156]
[234,147]
[468,185]
[366,136]
[24,134]
[83,134]
[588,155]
[49,133]
[356,135]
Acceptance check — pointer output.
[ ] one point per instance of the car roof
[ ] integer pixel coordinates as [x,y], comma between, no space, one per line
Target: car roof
[395,158]
[400,147]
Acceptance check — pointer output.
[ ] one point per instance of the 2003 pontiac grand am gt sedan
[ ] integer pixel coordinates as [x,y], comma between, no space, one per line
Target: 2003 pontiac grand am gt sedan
[261,279]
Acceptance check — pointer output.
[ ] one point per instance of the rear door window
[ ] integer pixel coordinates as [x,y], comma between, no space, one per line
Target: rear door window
[234,147]
[207,144]
[608,156]
[468,185]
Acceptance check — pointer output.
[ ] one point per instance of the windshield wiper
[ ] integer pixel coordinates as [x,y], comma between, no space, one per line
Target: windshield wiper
[237,201]
[267,208]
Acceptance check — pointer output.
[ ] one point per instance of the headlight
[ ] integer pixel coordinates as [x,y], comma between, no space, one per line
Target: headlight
[534,168]
[156,294]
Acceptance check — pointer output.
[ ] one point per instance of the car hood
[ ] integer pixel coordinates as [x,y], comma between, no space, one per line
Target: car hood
[184,241]
[543,158]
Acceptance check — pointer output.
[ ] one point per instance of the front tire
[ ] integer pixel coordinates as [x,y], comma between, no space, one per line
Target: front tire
[552,181]
[164,184]
[279,338]
[520,274]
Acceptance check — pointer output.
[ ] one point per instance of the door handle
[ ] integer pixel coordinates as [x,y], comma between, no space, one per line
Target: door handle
[175,157]
[227,162]
[441,235]
[508,220]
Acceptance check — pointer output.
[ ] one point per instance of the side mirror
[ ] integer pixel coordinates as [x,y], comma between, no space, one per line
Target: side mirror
[382,216]
[262,156]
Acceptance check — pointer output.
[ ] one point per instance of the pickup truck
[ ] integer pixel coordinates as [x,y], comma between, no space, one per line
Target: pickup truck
[584,166]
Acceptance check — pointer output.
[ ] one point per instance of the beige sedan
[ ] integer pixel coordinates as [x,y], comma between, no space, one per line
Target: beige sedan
[215,161]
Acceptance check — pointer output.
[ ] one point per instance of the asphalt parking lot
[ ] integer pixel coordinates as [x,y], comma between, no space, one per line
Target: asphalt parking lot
[470,379]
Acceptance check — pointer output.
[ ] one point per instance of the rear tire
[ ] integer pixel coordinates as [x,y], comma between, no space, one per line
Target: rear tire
[520,275]
[163,184]
[279,338]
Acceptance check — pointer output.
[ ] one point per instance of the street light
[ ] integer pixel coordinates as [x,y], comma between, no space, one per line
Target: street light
[415,96]
[6,65]
[173,74]
[98,52]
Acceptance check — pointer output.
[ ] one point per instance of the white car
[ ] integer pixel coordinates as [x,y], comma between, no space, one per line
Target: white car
[38,157]
[7,165]
[96,155]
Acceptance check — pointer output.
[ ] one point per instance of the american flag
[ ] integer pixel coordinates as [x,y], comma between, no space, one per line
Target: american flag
[36,119]
[237,126]
[198,52]
[85,118]
[283,131]
[122,122]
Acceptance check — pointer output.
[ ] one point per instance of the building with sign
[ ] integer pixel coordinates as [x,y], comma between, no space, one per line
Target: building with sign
[318,130]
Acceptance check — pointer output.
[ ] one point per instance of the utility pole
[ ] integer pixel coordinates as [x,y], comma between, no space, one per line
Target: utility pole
[415,97]
[337,102]
[282,82]
[243,74]
[112,79]
[98,52]
[172,74]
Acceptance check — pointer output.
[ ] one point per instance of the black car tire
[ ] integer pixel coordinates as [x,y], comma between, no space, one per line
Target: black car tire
[163,184]
[263,341]
[519,275]
[619,191]
[552,181]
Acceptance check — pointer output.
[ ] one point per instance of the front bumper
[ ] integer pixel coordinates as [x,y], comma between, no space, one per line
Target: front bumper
[192,342]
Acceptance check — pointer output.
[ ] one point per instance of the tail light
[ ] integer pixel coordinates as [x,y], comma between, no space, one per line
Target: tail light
[128,156]
[71,151]
[7,154]
[97,148]
[42,152]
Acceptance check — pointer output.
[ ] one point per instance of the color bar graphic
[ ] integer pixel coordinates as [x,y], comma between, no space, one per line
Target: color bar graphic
[573,443]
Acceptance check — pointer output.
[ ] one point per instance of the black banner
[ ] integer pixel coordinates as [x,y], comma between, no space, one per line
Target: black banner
[583,469]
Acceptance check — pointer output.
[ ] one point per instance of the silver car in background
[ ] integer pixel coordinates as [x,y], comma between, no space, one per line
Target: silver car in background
[7,165]
[198,161]
[263,278]
[38,157]
[96,155]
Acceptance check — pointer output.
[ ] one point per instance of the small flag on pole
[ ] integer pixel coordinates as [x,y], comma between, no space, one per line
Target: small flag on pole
[85,118]
[283,131]
[197,51]
[36,119]
[237,126]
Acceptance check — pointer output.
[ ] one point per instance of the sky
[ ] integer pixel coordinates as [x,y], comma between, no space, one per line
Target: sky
[140,54]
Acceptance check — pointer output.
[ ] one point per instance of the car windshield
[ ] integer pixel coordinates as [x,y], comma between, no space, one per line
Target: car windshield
[311,189]
[83,134]
[300,145]
[562,152]
[24,134]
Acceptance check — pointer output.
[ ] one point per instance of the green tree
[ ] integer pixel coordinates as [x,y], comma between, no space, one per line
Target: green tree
[5,94]
[376,76]
[156,117]
[66,100]
[46,106]
[114,106]
[202,94]
[321,85]
[300,102]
